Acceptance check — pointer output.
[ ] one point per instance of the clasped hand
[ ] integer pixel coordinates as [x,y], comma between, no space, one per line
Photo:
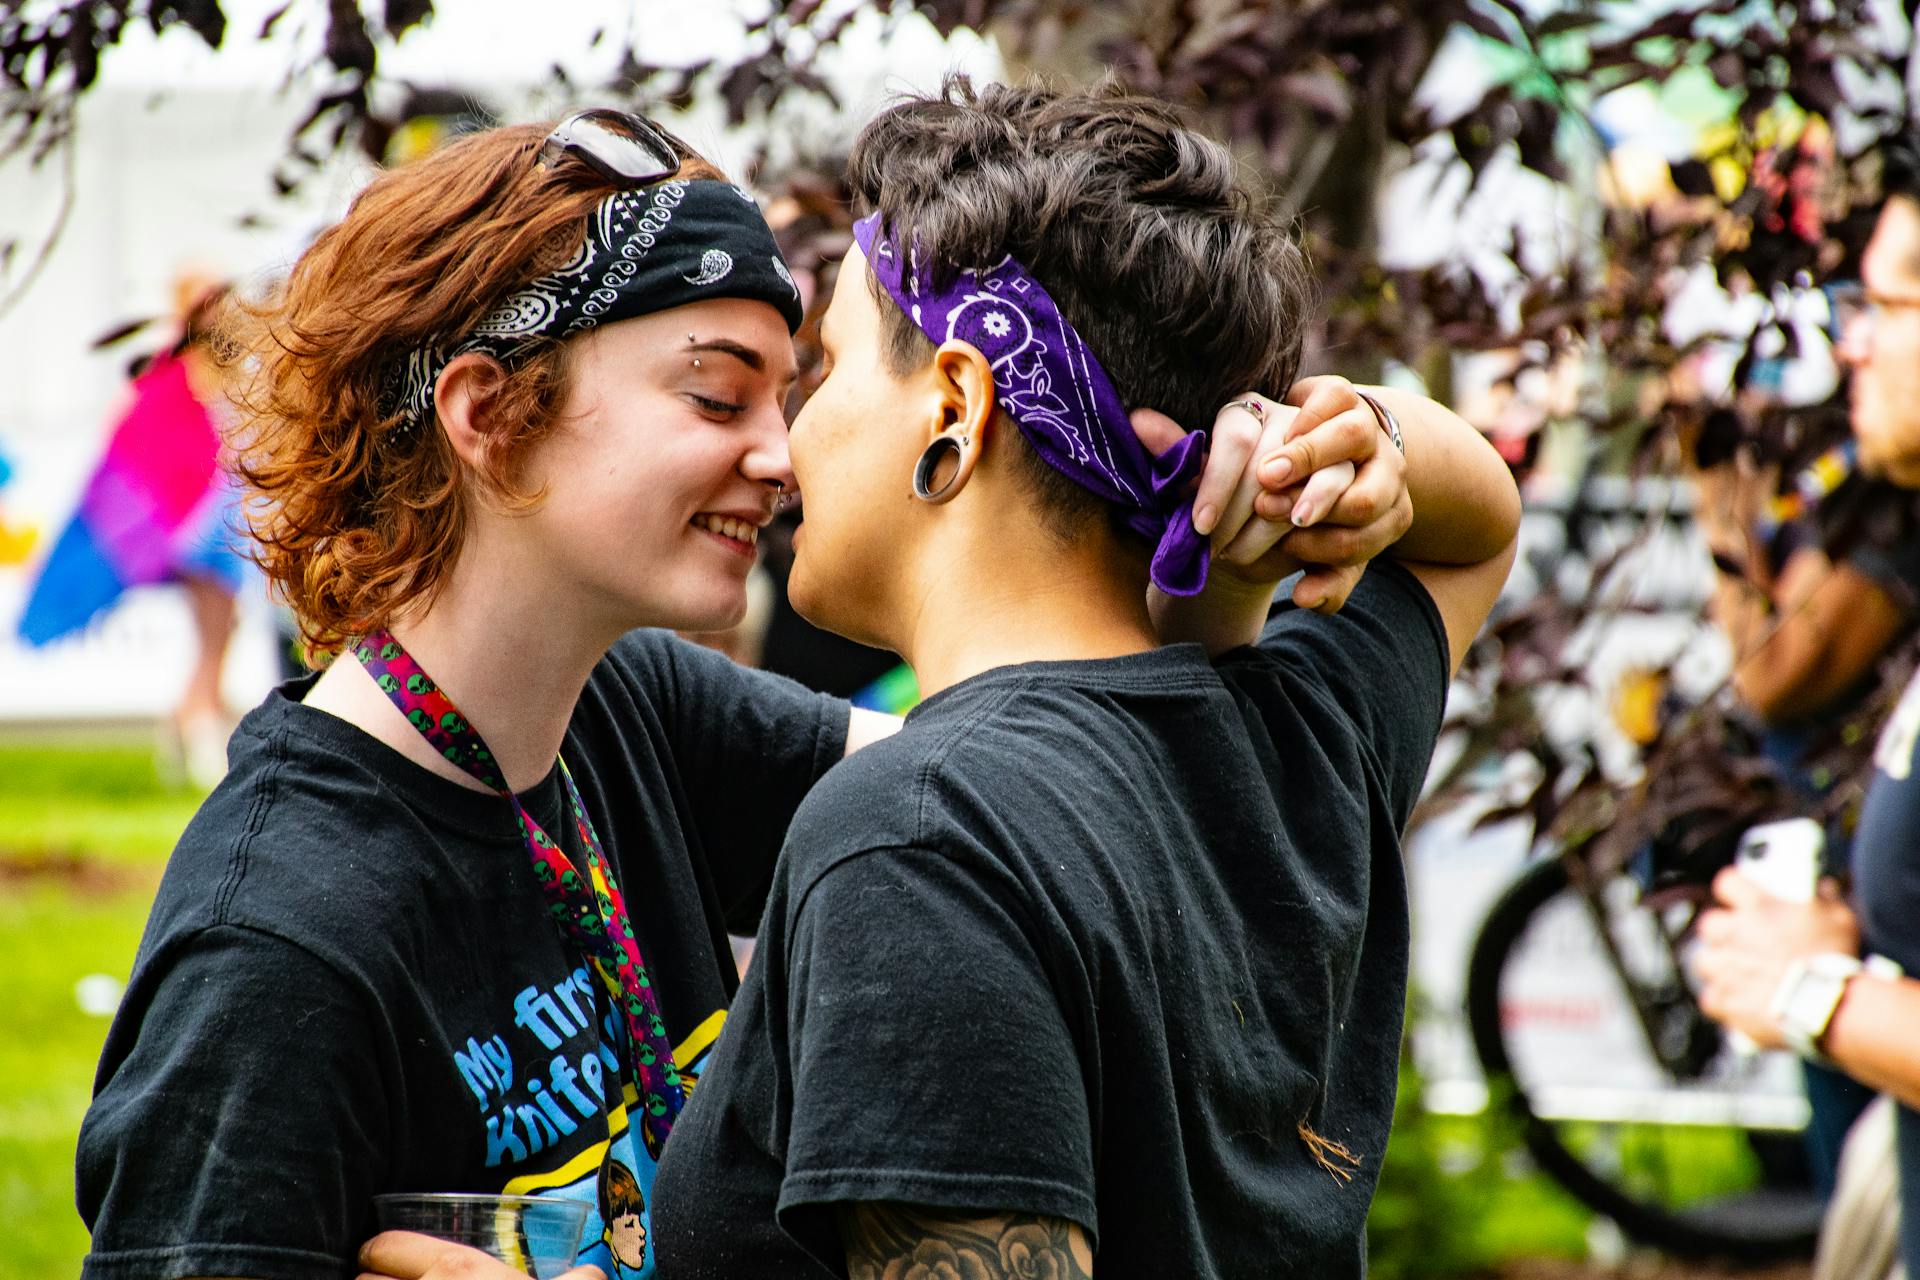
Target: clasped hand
[1747,943]
[1310,484]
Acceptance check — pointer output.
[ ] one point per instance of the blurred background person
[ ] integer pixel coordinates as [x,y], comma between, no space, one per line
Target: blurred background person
[1788,974]
[1809,608]
[161,508]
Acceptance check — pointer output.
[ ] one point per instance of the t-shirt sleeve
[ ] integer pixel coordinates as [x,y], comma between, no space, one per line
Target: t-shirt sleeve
[931,1060]
[1383,662]
[747,745]
[1894,569]
[238,1120]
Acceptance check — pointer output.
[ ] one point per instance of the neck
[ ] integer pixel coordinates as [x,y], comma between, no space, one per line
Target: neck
[510,655]
[1004,600]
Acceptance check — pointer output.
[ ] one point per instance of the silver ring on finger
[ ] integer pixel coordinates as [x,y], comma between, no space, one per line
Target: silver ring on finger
[1252,406]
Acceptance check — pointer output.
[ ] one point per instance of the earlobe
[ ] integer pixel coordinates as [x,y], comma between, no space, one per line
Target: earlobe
[965,399]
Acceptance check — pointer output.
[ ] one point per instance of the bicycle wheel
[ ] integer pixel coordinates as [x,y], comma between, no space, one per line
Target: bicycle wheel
[1675,1147]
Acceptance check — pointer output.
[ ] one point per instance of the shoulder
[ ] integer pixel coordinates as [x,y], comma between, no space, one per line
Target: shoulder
[291,841]
[899,791]
[651,667]
[688,688]
[1369,683]
[663,668]
[1386,649]
[1389,610]
[871,799]
[646,653]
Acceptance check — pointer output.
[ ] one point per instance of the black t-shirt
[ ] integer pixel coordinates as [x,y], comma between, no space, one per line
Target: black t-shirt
[1089,940]
[350,984]
[1886,887]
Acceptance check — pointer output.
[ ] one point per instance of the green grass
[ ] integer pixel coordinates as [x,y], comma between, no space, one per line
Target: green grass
[1457,1199]
[100,801]
[90,826]
[1675,1165]
[50,938]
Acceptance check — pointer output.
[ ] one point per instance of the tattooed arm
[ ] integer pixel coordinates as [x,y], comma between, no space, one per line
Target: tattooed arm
[906,1242]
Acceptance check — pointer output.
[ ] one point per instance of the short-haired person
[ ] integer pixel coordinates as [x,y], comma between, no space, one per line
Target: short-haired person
[456,919]
[1804,974]
[1098,966]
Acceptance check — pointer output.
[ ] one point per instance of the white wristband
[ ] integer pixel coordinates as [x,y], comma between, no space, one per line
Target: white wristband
[1808,994]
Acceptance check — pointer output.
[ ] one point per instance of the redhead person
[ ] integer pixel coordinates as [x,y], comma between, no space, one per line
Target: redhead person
[456,919]
[1098,966]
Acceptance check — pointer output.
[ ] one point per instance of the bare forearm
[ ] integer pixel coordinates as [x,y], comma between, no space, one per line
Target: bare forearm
[1466,508]
[1228,614]
[1818,635]
[1875,1035]
[1743,614]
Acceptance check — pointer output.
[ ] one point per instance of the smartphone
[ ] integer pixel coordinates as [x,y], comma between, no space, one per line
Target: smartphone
[1783,857]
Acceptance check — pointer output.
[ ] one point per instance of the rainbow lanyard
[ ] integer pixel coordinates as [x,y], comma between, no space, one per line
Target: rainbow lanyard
[589,909]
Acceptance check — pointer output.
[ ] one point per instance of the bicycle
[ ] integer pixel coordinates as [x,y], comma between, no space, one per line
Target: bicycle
[1682,1096]
[1579,1005]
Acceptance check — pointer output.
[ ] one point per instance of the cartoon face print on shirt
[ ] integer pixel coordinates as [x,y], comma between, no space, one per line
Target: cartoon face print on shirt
[623,1208]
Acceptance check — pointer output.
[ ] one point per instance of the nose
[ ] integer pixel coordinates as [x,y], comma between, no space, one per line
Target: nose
[1856,339]
[766,460]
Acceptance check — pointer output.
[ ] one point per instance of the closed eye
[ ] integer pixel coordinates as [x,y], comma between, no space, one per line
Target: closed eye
[720,408]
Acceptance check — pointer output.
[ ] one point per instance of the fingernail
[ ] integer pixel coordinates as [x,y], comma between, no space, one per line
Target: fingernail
[1304,515]
[1277,470]
[1203,518]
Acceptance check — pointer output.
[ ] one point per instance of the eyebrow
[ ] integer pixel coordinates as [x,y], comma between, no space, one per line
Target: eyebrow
[739,351]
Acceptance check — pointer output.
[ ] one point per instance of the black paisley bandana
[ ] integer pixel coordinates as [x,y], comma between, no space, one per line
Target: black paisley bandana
[646,250]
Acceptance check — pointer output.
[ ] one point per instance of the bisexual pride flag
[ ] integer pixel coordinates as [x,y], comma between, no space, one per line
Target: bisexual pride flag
[154,508]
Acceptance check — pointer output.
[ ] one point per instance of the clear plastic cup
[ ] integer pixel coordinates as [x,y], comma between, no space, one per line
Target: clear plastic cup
[539,1235]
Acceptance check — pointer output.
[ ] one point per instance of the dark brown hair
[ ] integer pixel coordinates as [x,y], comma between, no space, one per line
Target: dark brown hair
[356,517]
[1180,278]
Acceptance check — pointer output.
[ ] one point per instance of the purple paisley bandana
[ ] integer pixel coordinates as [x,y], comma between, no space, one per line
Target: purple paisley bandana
[1054,388]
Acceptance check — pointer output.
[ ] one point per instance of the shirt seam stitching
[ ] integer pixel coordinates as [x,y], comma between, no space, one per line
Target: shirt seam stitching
[922,784]
[240,856]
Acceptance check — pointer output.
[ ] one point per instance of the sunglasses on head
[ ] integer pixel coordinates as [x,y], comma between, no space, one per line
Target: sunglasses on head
[621,147]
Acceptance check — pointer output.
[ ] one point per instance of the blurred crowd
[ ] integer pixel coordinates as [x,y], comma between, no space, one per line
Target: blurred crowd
[1818,927]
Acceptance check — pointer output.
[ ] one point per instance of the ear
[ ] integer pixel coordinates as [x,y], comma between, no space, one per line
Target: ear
[965,400]
[460,396]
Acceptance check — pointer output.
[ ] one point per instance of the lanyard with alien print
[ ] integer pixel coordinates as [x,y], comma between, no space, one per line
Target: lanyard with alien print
[589,909]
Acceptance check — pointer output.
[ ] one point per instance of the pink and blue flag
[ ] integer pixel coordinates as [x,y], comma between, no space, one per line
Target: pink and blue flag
[156,508]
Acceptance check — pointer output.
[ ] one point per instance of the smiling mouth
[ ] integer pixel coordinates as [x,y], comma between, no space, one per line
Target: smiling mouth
[744,534]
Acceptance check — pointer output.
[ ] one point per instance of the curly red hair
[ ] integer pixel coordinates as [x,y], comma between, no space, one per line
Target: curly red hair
[356,518]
